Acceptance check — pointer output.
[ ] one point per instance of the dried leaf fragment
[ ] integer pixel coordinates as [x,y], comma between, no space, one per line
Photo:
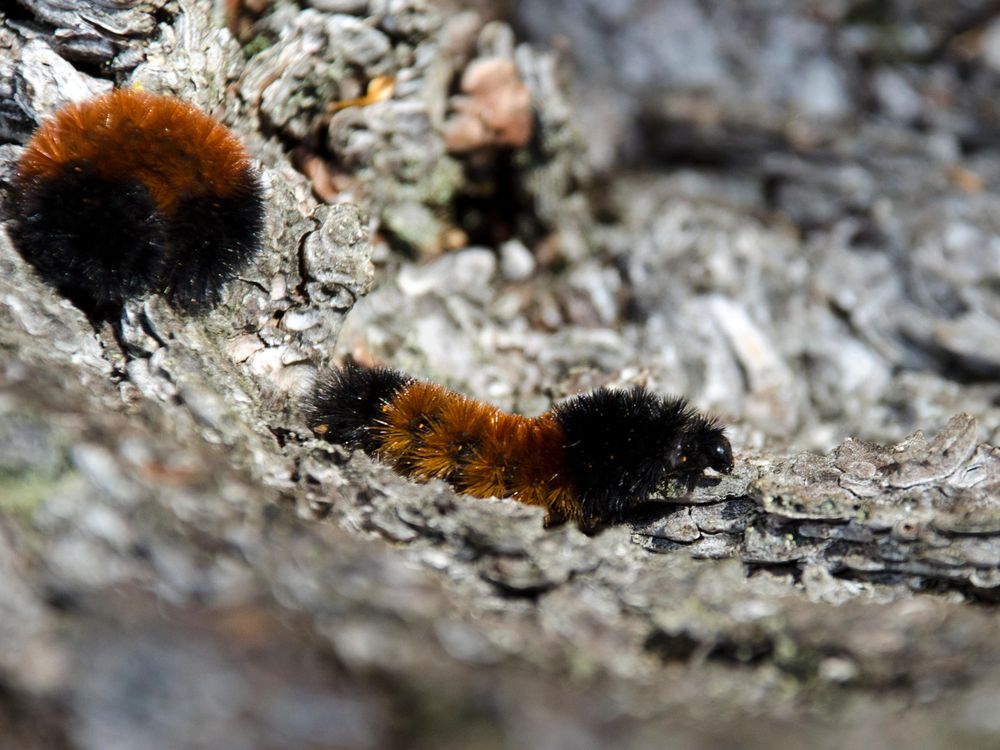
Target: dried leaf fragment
[379,89]
[494,108]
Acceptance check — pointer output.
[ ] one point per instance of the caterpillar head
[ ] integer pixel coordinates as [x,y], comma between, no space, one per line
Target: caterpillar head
[703,445]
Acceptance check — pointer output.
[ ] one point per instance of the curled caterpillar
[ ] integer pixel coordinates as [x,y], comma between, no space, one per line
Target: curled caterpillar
[130,193]
[589,460]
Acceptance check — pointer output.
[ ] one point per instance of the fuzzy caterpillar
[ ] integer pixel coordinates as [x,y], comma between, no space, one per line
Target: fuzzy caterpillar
[130,193]
[588,460]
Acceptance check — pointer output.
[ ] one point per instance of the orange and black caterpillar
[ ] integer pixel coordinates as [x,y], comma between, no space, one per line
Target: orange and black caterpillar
[130,193]
[590,459]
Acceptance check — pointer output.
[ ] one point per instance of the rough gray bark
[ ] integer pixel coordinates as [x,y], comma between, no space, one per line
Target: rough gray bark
[182,565]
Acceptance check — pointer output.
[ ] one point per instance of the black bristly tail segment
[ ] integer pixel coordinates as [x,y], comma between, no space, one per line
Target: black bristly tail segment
[97,240]
[213,238]
[347,402]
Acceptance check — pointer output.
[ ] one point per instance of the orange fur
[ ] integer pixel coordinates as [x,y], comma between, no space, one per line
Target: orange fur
[172,148]
[428,432]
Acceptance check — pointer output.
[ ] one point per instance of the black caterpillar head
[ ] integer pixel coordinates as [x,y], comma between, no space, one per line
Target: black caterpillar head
[621,446]
[702,445]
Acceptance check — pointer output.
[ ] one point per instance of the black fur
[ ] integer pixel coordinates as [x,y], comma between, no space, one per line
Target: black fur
[623,445]
[346,402]
[102,241]
[211,240]
[97,241]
